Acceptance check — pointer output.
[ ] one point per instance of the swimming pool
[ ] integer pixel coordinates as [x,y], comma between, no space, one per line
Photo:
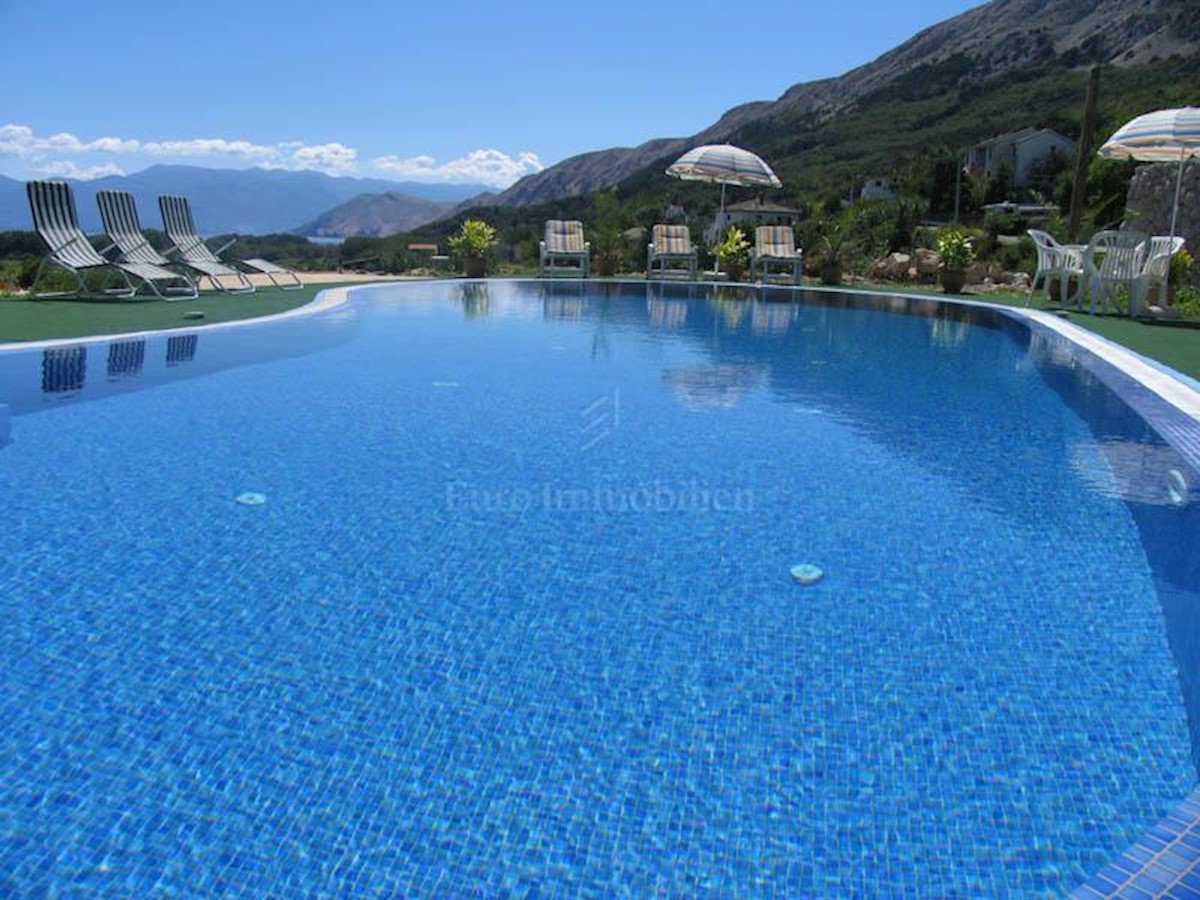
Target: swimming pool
[516,614]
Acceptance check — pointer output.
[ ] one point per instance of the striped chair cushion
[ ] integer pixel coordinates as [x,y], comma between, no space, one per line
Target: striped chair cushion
[672,239]
[564,236]
[775,240]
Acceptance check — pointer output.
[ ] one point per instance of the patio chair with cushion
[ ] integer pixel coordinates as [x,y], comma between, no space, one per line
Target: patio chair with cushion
[119,215]
[775,245]
[57,223]
[194,253]
[669,244]
[1061,261]
[564,243]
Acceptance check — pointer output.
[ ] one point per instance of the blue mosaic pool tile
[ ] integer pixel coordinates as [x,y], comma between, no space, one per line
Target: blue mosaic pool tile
[358,689]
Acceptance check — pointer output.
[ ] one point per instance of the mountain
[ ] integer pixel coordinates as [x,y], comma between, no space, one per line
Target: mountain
[376,215]
[12,197]
[1004,36]
[244,201]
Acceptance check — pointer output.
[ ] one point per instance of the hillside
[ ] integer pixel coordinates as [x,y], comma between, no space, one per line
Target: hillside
[1001,37]
[376,215]
[244,201]
[913,130]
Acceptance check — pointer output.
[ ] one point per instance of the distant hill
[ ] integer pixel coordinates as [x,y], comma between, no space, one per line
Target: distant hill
[243,201]
[14,208]
[997,38]
[376,215]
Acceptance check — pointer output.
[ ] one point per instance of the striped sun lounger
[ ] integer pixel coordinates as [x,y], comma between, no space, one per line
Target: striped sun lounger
[119,215]
[56,221]
[194,253]
[669,244]
[564,243]
[775,245]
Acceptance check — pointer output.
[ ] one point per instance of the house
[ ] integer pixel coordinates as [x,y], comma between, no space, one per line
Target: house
[1020,150]
[748,215]
[877,189]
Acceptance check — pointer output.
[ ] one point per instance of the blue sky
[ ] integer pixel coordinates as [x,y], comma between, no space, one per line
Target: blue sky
[468,91]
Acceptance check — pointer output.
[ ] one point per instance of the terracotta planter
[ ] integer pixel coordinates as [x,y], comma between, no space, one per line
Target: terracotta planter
[606,266]
[831,273]
[953,280]
[734,271]
[474,266]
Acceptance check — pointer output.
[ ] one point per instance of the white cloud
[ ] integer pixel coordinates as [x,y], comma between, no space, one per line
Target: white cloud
[332,159]
[66,168]
[19,140]
[490,167]
[211,147]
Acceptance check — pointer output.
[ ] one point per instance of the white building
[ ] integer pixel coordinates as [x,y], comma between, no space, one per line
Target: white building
[1021,150]
[749,214]
[877,189]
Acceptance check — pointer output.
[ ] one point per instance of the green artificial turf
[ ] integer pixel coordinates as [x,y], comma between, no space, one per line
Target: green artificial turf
[22,319]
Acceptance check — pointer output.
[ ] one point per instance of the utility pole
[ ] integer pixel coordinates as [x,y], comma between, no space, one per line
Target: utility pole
[1086,133]
[957,186]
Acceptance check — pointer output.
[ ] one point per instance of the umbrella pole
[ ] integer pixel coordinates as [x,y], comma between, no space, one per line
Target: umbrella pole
[717,264]
[1178,184]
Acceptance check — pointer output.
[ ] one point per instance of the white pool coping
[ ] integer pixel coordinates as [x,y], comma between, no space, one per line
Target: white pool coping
[1171,386]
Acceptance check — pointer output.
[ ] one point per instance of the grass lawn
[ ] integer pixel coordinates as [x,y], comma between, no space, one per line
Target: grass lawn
[30,320]
[22,319]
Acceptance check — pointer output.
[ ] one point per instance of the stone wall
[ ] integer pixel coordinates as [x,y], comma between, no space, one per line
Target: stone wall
[1151,194]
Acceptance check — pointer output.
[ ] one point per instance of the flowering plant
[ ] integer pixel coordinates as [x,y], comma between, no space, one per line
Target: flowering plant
[734,249]
[955,249]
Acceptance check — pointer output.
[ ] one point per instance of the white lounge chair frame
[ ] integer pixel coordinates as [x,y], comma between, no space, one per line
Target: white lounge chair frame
[52,205]
[118,213]
[195,253]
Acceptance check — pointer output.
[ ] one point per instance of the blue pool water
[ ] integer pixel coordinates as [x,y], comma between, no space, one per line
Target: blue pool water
[516,616]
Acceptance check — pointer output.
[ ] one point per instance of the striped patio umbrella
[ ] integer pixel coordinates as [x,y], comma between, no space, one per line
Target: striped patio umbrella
[724,164]
[1166,135]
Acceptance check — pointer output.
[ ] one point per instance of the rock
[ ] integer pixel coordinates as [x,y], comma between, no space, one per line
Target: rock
[927,264]
[893,267]
[976,273]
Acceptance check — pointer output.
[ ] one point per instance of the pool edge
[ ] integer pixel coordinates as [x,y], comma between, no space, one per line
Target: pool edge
[325,300]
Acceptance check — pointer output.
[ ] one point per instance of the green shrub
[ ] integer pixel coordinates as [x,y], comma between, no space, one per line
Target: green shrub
[1187,302]
[1003,223]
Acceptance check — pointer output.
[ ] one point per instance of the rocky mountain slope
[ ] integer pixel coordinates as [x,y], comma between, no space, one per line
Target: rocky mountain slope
[244,201]
[998,37]
[376,215]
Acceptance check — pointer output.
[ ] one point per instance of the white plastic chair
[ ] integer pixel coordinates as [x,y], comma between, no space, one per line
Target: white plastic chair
[1157,268]
[1059,260]
[1116,259]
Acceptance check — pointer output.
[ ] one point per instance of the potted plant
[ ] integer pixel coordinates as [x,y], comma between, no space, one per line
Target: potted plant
[733,253]
[473,245]
[835,237]
[608,241]
[955,253]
